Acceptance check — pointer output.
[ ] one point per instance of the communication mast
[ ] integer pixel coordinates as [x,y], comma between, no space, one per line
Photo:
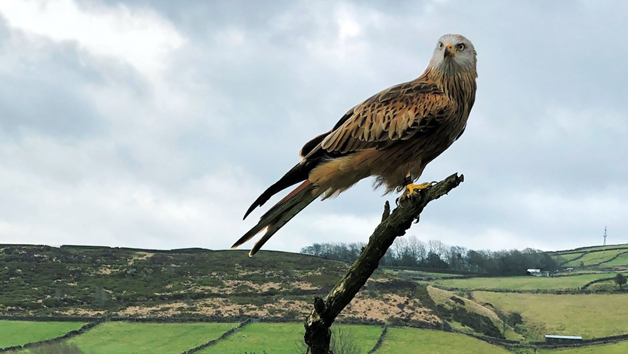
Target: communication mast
[604,235]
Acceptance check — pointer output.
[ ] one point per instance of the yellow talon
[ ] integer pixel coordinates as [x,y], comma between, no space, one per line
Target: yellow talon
[414,188]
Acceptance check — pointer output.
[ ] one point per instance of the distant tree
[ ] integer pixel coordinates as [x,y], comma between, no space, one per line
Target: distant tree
[416,249]
[437,247]
[456,257]
[433,260]
[475,261]
[409,251]
[620,280]
[316,249]
[388,258]
[400,251]
[581,264]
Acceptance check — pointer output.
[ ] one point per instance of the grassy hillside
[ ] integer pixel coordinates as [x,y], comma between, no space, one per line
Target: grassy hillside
[38,277]
[418,274]
[620,261]
[287,338]
[408,340]
[589,249]
[449,300]
[14,333]
[102,281]
[149,338]
[96,281]
[592,315]
[275,338]
[523,282]
[592,256]
[618,348]
[597,258]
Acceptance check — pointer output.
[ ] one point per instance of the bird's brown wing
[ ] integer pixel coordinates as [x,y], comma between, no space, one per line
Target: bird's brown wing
[396,114]
[393,115]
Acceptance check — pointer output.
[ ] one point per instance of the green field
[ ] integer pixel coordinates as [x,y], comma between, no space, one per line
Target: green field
[591,248]
[443,297]
[618,348]
[409,340]
[21,332]
[408,273]
[563,258]
[523,282]
[149,338]
[287,338]
[590,315]
[622,260]
[594,258]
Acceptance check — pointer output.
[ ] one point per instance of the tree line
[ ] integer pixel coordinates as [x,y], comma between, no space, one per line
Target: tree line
[409,251]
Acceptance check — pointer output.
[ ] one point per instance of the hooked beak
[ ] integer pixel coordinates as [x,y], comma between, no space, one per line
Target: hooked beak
[450,51]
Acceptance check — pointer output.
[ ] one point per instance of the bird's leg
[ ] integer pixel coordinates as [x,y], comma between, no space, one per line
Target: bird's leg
[413,188]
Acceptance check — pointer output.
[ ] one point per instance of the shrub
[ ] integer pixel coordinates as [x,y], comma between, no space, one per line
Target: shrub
[57,348]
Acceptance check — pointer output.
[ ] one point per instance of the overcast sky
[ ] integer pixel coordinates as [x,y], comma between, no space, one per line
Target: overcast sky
[155,124]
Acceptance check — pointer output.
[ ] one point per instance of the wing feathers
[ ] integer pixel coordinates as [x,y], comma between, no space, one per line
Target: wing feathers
[390,115]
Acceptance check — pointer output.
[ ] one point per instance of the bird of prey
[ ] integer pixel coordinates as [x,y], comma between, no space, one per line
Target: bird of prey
[392,136]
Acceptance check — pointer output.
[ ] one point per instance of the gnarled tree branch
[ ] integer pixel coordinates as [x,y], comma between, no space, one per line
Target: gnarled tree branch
[317,332]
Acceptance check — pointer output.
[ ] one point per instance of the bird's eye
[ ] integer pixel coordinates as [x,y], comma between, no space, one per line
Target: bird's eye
[440,45]
[460,47]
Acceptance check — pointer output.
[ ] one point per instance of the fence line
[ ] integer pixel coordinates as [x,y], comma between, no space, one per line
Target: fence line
[245,321]
[222,336]
[380,340]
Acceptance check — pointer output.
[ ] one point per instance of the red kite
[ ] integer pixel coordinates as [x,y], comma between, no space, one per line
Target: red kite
[392,136]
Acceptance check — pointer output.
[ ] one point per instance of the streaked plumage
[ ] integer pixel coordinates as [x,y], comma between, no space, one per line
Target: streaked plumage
[392,136]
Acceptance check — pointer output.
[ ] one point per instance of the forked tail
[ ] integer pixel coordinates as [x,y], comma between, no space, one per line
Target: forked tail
[279,215]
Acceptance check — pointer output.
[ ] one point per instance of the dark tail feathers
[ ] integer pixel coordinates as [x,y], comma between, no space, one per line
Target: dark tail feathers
[297,174]
[279,215]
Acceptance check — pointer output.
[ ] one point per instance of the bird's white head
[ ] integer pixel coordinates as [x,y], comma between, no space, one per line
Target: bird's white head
[454,54]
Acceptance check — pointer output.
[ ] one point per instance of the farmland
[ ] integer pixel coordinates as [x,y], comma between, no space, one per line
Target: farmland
[590,315]
[621,260]
[595,258]
[522,282]
[444,298]
[406,340]
[591,249]
[147,285]
[121,337]
[287,338]
[617,348]
[592,256]
[280,338]
[408,273]
[21,332]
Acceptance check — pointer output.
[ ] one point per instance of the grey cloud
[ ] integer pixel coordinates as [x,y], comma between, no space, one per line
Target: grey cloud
[40,94]
[544,151]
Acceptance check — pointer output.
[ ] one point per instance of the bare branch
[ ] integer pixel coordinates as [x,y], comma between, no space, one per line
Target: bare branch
[317,332]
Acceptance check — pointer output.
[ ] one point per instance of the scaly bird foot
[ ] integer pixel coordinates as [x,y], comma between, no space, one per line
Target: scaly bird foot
[414,188]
